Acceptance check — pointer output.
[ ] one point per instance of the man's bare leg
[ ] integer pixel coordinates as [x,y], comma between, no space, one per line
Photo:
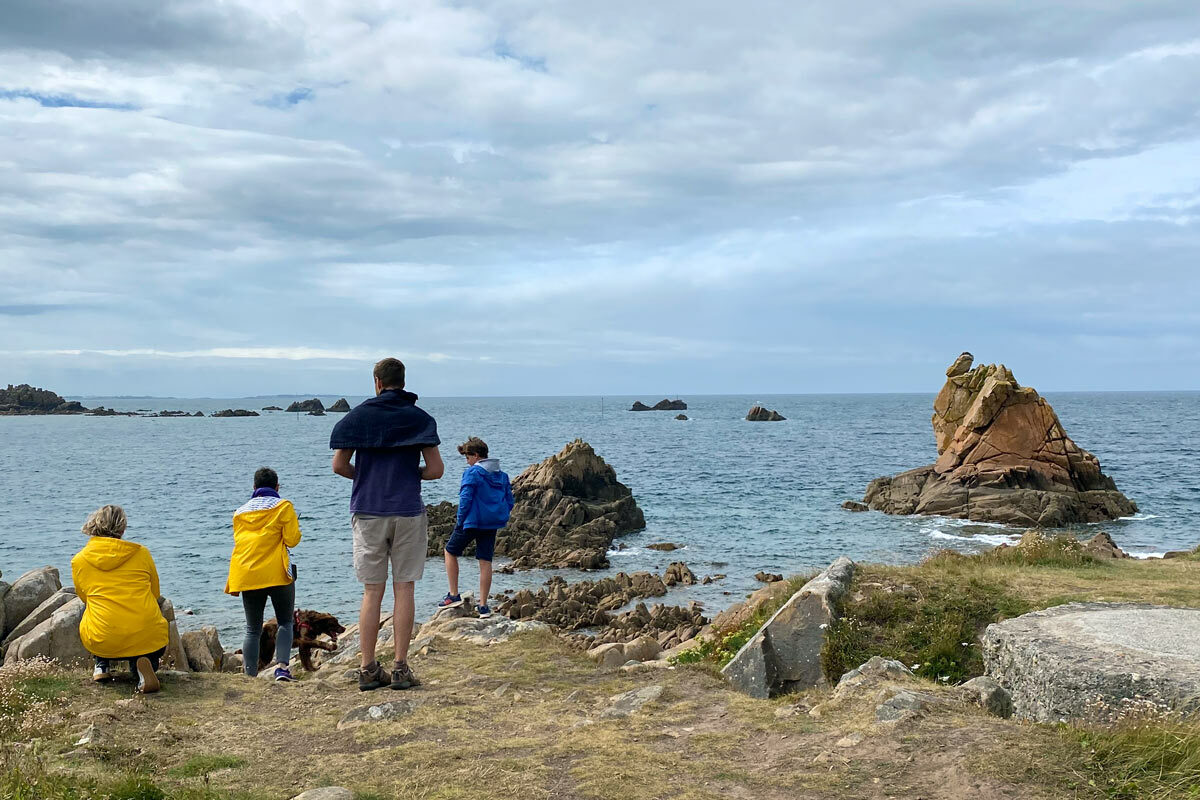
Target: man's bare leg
[402,619]
[485,582]
[368,621]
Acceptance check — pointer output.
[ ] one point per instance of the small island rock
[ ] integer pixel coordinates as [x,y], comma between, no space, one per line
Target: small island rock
[340,406]
[681,416]
[306,405]
[26,399]
[272,408]
[661,405]
[234,412]
[760,414]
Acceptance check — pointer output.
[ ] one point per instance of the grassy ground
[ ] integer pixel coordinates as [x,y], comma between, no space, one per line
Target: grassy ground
[523,720]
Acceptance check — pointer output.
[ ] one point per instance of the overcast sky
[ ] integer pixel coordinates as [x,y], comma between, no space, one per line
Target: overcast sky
[236,198]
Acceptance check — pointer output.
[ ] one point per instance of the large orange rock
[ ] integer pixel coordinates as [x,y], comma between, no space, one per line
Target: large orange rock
[1003,456]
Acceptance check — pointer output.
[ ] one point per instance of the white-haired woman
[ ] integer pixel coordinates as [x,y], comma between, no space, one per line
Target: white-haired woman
[118,583]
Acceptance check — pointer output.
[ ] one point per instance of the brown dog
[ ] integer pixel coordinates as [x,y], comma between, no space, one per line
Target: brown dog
[306,627]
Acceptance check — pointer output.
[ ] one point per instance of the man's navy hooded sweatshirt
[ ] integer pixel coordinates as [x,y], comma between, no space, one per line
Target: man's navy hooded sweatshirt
[485,497]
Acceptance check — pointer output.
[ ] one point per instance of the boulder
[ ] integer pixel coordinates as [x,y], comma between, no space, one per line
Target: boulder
[760,414]
[380,712]
[767,577]
[4,587]
[27,593]
[232,662]
[627,703]
[341,406]
[1097,662]
[272,408]
[41,613]
[665,547]
[870,673]
[785,654]
[176,656]
[610,655]
[900,706]
[642,648]
[989,695]
[203,649]
[1003,456]
[681,417]
[326,793]
[1102,546]
[854,505]
[678,572]
[306,405]
[234,412]
[56,638]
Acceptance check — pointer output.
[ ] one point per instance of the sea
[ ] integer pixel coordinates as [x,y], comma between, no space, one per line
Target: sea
[737,497]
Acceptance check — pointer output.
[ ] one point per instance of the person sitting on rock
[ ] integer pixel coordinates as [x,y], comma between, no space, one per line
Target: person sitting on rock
[485,501]
[259,568]
[118,583]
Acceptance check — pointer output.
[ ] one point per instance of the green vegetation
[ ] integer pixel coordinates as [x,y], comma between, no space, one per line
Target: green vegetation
[721,649]
[1142,760]
[29,692]
[198,766]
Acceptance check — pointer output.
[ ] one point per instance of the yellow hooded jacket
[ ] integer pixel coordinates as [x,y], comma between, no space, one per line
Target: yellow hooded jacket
[263,529]
[118,583]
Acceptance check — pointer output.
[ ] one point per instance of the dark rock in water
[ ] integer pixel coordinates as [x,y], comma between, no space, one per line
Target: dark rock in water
[340,406]
[854,505]
[198,414]
[568,510]
[165,413]
[101,411]
[767,577]
[306,405]
[665,547]
[1003,456]
[661,405]
[316,413]
[26,399]
[272,408]
[681,416]
[760,414]
[232,412]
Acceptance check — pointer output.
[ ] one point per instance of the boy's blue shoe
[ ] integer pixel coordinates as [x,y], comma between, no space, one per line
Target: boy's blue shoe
[451,601]
[483,611]
[283,675]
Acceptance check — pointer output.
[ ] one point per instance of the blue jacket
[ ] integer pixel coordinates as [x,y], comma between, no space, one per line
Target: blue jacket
[485,497]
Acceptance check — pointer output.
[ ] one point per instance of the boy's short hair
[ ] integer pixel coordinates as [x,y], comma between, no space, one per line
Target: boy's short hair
[266,478]
[474,447]
[390,372]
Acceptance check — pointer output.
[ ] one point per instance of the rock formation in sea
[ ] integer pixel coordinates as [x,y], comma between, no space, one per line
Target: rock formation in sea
[235,412]
[1003,456]
[272,408]
[339,406]
[26,399]
[760,414]
[681,417]
[661,405]
[306,405]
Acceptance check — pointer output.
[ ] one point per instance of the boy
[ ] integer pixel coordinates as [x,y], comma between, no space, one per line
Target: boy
[485,500]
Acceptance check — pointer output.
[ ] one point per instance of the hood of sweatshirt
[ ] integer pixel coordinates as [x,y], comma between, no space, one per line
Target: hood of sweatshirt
[488,470]
[106,554]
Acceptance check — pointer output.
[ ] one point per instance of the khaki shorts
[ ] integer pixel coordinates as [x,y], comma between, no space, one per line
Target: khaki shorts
[378,540]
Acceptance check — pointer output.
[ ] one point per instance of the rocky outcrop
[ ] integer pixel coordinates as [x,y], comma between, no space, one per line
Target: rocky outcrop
[681,417]
[56,638]
[203,649]
[1102,546]
[40,614]
[26,399]
[767,577]
[340,406]
[665,547]
[27,593]
[272,408]
[1097,662]
[670,626]
[760,414]
[317,413]
[306,405]
[678,572]
[568,510]
[785,654]
[570,606]
[234,412]
[854,505]
[661,405]
[1003,456]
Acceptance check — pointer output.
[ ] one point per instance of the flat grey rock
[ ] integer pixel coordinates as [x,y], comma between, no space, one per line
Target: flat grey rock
[1093,661]
[627,703]
[380,712]
[326,793]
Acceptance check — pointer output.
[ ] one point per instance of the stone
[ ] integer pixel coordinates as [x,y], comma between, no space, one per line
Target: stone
[851,740]
[628,703]
[760,414]
[1003,456]
[1097,662]
[609,655]
[306,405]
[203,649]
[1102,546]
[176,656]
[661,405]
[583,604]
[41,613]
[681,417]
[767,577]
[381,712]
[272,408]
[340,407]
[665,547]
[678,572]
[326,793]
[27,593]
[642,648]
[232,662]
[56,638]
[854,505]
[785,654]
[233,412]
[986,693]
[898,707]
[870,673]
[493,630]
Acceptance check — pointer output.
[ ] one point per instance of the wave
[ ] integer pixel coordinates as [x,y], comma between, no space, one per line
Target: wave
[1146,555]
[979,538]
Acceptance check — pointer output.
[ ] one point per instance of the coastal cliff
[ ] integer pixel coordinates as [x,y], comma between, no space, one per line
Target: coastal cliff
[26,399]
[1003,456]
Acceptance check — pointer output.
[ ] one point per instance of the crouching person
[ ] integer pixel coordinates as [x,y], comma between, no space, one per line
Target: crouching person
[118,583]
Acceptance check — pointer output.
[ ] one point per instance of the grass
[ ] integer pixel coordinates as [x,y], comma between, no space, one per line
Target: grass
[1141,760]
[724,645]
[199,766]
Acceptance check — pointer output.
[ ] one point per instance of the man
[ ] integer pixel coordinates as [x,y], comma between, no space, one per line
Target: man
[387,436]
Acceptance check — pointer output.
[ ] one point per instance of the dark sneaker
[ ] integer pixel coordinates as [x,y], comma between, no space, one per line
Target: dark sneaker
[451,601]
[283,675]
[483,611]
[147,680]
[403,678]
[371,678]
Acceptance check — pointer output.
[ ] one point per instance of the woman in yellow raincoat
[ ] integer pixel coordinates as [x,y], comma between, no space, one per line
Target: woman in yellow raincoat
[263,530]
[118,584]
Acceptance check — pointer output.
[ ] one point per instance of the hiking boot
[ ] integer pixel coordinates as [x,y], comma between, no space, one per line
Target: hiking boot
[147,680]
[483,611]
[450,601]
[283,675]
[372,677]
[403,677]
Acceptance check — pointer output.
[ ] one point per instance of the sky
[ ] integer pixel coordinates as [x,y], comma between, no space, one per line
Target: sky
[529,198]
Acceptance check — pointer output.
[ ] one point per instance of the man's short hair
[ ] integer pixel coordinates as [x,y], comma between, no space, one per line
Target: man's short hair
[390,372]
[473,447]
[266,478]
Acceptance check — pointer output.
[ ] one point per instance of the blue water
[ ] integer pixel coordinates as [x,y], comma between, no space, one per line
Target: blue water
[740,497]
